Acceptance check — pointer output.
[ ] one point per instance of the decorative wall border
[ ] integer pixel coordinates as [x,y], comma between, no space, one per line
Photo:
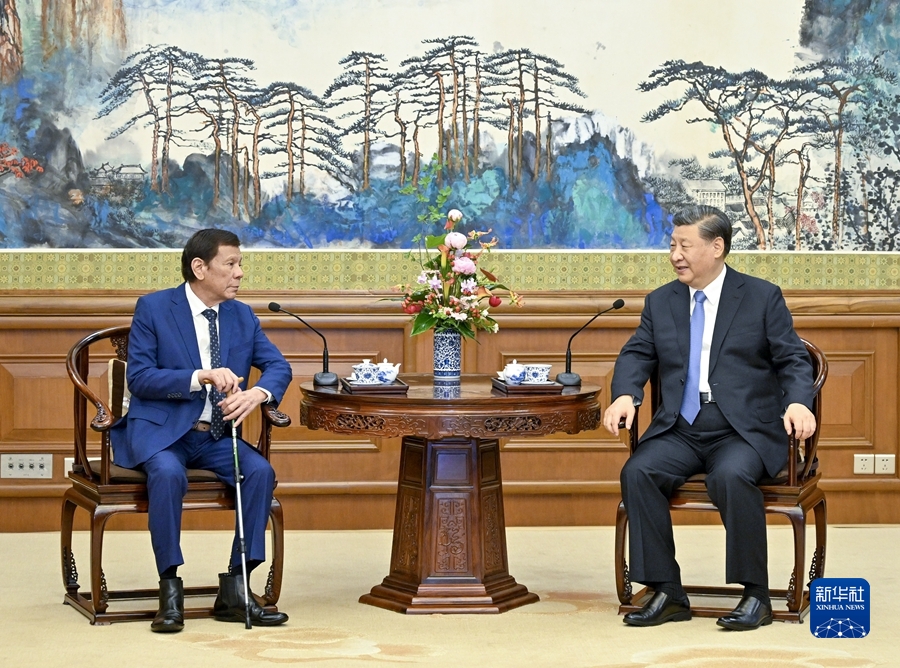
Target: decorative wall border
[382,269]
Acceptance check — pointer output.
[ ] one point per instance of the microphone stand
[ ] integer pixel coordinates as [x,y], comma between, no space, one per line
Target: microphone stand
[567,377]
[323,377]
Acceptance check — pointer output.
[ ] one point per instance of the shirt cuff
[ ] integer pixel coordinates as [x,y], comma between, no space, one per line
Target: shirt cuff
[195,382]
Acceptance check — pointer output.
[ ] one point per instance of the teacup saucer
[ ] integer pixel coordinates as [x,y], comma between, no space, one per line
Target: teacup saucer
[354,381]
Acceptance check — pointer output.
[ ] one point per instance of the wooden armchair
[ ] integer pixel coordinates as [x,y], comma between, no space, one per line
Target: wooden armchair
[793,493]
[104,489]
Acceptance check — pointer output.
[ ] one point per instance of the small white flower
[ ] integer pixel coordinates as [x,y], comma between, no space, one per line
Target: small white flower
[454,215]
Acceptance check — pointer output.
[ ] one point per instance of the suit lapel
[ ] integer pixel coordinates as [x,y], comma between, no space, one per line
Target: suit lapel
[226,324]
[184,323]
[729,303]
[681,315]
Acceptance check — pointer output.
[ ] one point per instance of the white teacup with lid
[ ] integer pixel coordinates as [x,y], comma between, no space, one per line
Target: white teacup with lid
[537,373]
[365,373]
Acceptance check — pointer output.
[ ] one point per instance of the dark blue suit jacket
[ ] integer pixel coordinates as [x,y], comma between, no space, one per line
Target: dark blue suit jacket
[163,354]
[758,365]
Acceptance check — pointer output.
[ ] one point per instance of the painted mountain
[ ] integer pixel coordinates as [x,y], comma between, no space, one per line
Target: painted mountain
[193,140]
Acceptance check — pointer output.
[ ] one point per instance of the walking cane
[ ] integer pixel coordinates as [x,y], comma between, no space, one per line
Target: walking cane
[240,522]
[239,511]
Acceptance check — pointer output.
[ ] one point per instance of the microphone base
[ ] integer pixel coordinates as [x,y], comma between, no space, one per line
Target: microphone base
[325,378]
[568,378]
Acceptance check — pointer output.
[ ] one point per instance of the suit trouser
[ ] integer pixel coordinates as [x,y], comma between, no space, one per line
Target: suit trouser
[167,484]
[661,464]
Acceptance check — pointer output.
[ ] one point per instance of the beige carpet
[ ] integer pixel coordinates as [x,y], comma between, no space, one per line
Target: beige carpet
[574,625]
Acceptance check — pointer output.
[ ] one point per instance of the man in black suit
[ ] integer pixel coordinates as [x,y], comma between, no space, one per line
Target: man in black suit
[734,378]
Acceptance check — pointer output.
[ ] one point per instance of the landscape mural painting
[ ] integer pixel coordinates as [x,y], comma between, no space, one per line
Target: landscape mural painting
[577,124]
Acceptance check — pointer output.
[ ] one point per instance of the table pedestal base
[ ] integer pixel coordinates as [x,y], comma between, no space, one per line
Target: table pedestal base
[449,551]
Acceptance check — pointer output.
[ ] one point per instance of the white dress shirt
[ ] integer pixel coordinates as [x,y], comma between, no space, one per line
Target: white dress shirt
[201,327]
[713,293]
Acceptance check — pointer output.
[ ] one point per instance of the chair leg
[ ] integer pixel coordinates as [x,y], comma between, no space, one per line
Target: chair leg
[69,571]
[797,517]
[817,568]
[99,596]
[276,570]
[623,583]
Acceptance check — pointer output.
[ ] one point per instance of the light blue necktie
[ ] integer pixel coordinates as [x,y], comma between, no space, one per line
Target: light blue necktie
[217,421]
[690,403]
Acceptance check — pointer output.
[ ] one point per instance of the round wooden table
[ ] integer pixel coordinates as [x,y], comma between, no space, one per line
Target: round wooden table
[449,549]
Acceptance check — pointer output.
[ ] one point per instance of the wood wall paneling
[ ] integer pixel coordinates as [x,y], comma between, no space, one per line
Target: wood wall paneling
[334,481]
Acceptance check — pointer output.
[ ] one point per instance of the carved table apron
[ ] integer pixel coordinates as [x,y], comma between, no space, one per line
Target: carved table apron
[449,549]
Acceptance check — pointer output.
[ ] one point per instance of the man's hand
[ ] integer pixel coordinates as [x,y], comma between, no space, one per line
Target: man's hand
[800,421]
[239,404]
[621,409]
[224,380]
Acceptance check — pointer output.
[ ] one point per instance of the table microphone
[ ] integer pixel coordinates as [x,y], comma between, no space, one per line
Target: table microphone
[567,377]
[324,377]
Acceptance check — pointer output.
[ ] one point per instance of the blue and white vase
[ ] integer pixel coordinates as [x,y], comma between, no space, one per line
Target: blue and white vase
[447,356]
[450,389]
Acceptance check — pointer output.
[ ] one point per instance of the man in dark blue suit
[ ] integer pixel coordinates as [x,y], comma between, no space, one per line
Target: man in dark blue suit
[190,350]
[734,378]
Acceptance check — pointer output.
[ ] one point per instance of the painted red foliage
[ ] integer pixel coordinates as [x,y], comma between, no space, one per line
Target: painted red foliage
[19,167]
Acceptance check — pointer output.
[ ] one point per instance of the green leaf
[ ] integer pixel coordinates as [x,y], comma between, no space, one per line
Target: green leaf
[432,241]
[423,322]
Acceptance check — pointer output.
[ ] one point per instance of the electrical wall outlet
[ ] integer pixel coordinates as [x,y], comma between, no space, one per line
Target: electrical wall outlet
[863,464]
[885,464]
[26,466]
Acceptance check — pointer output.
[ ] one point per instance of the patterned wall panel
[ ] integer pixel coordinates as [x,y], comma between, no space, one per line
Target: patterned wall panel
[382,269]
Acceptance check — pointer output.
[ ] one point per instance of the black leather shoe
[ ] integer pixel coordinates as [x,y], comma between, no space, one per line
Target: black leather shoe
[661,608]
[170,617]
[229,605]
[751,613]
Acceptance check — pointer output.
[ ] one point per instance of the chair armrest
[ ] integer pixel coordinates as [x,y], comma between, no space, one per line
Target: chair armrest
[633,436]
[104,418]
[274,417]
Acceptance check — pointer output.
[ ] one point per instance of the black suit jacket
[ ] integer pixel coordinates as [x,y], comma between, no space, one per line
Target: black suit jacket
[758,365]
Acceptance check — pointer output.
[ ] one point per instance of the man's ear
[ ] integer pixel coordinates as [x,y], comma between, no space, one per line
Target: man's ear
[719,245]
[198,266]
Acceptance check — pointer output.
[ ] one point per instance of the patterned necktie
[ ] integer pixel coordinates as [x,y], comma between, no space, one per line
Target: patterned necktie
[690,403]
[217,422]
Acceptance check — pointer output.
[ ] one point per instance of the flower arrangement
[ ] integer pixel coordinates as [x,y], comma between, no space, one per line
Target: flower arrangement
[450,293]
